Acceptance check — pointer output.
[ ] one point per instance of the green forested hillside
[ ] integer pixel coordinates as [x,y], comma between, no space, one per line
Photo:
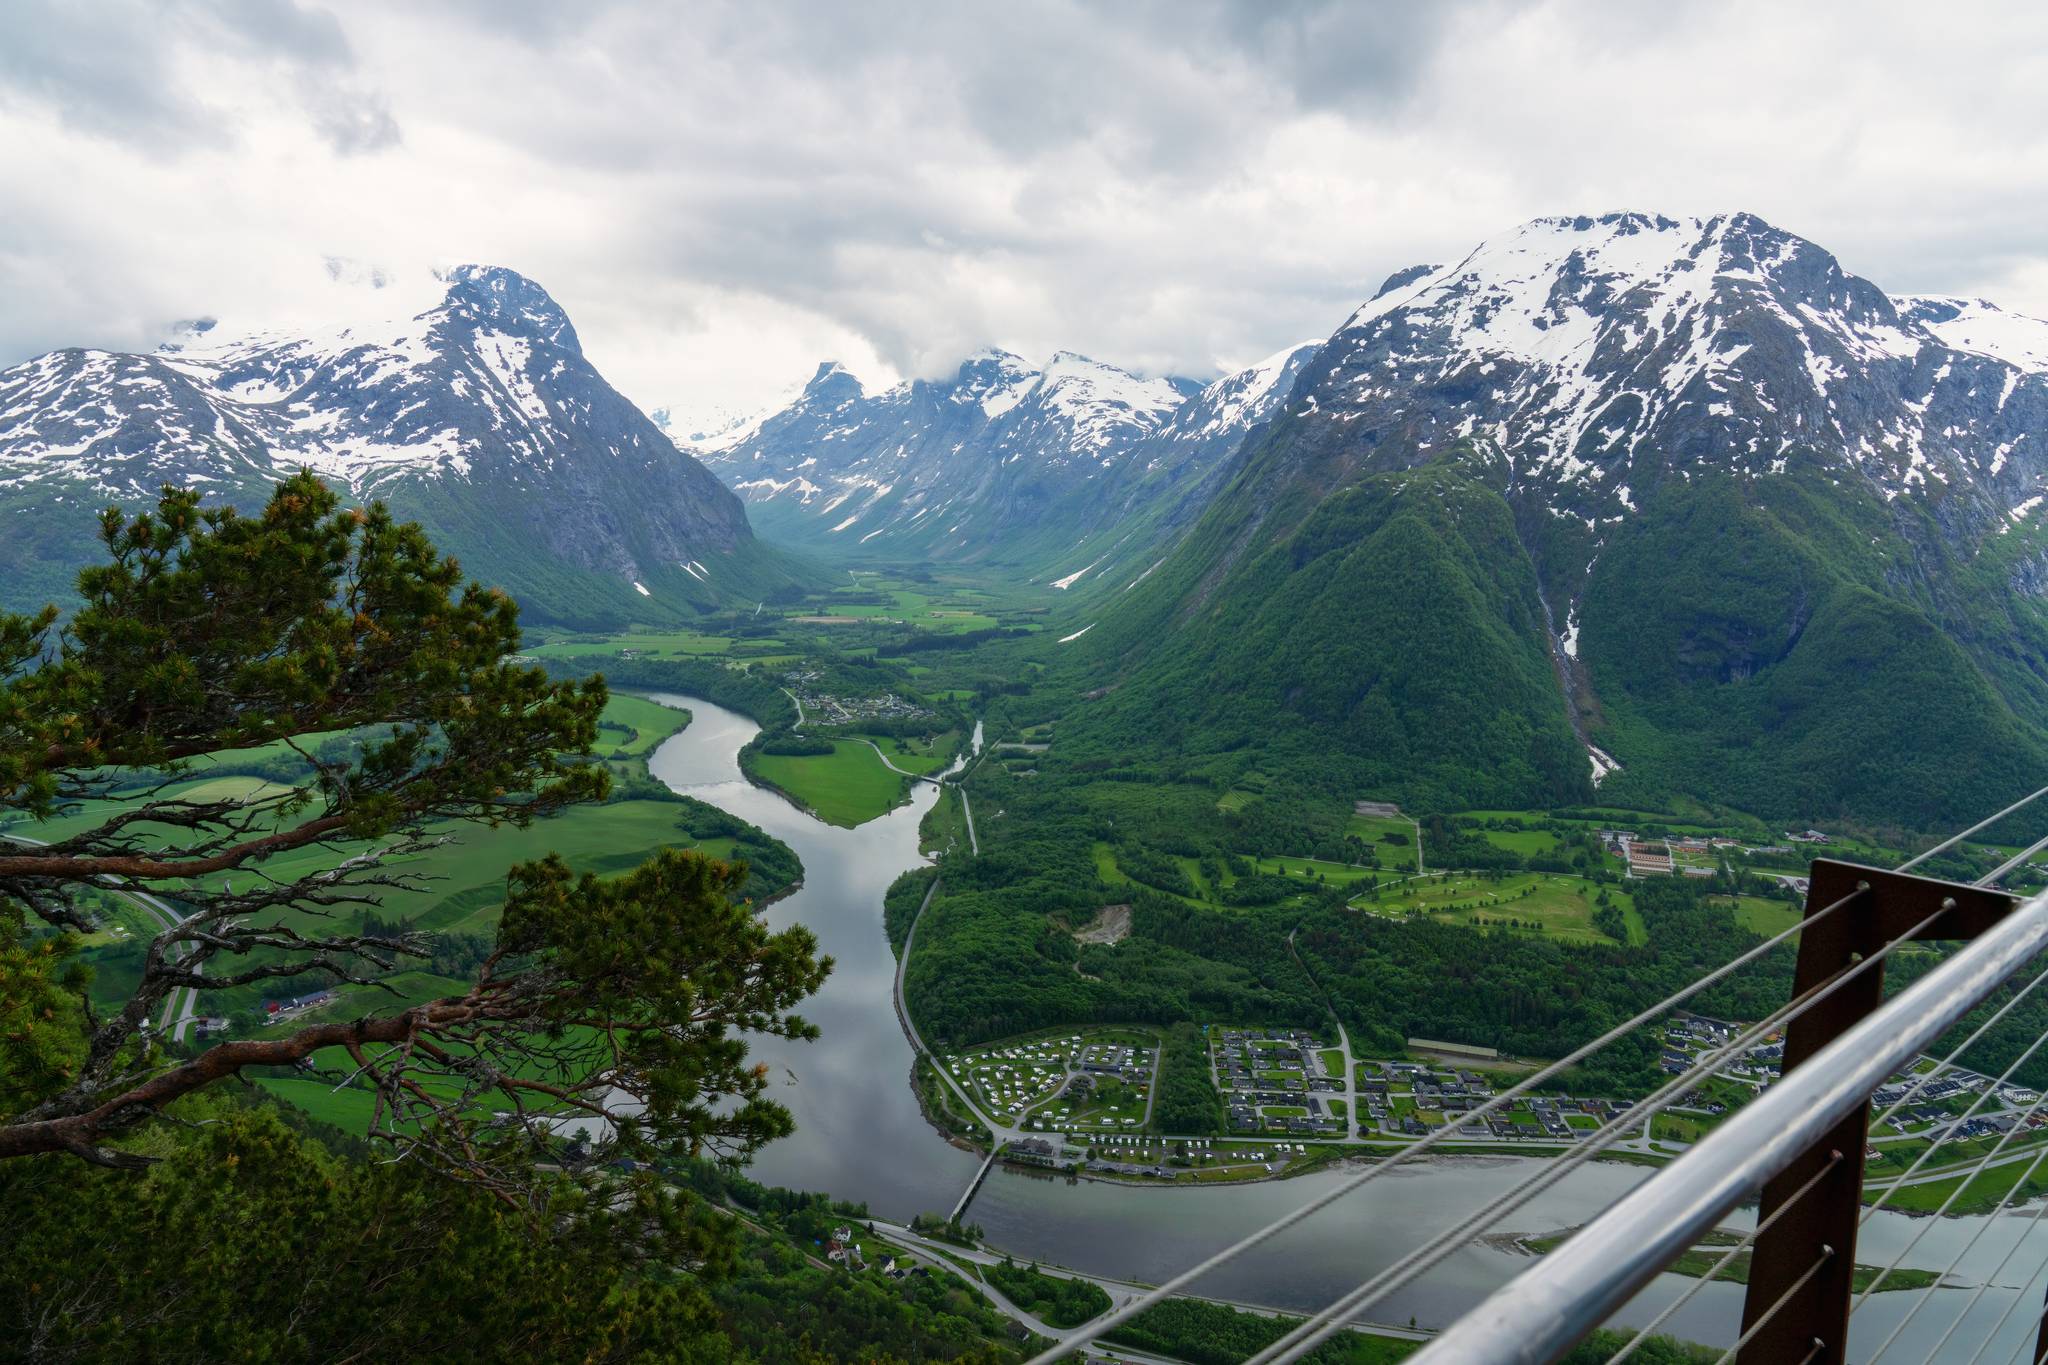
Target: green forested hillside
[1787,644]
[1776,644]
[52,533]
[1393,640]
[188,1262]
[470,522]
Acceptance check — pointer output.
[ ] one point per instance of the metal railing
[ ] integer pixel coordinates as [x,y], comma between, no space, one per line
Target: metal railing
[1801,1142]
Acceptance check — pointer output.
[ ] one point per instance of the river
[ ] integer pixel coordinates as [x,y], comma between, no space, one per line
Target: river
[859,1136]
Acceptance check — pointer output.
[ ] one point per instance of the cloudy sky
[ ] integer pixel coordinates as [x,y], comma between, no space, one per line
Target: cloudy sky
[723,195]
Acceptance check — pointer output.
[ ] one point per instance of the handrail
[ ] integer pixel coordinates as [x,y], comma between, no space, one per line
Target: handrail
[1548,1309]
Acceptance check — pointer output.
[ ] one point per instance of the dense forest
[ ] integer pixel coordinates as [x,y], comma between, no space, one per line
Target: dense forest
[998,953]
[382,1252]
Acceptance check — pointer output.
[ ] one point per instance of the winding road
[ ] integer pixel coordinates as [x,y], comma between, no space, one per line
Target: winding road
[914,777]
[1120,1292]
[181,1007]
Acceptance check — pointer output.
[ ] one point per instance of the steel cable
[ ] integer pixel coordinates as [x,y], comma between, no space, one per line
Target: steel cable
[1320,1326]
[1117,1318]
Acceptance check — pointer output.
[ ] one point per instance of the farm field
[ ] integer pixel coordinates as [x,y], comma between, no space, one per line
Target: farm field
[1759,914]
[350,1107]
[944,610]
[459,883]
[1392,839]
[1562,906]
[632,726]
[667,644]
[849,786]
[921,756]
[347,1109]
[463,881]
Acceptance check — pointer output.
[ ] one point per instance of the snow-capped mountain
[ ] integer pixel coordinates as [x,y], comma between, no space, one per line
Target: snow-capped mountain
[480,417]
[1003,462]
[1981,326]
[1681,495]
[1600,354]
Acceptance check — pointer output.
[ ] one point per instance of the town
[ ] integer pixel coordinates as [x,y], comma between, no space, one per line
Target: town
[823,708]
[1082,1102]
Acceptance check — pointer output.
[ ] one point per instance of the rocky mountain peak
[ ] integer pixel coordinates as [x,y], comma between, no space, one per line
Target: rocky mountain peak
[941,464]
[481,411]
[1597,351]
[493,296]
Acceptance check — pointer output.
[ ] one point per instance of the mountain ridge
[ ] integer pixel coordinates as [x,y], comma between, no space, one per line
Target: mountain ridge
[1057,470]
[1638,395]
[479,416]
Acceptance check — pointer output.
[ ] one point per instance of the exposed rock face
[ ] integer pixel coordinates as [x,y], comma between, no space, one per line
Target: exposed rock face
[481,416]
[1602,355]
[1002,462]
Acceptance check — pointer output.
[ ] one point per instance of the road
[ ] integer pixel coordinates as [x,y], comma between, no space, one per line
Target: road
[1000,1133]
[181,1010]
[914,777]
[181,1007]
[1349,1094]
[903,966]
[973,844]
[1351,1097]
[1003,1133]
[1120,1292]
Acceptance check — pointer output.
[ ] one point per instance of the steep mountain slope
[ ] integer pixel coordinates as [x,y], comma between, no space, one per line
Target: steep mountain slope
[1063,472]
[1781,529]
[480,417]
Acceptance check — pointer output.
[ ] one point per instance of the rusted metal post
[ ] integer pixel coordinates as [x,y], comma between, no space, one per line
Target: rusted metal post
[1814,1317]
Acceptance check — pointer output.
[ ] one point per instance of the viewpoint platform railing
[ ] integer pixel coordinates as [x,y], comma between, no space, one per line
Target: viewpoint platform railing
[1801,1143]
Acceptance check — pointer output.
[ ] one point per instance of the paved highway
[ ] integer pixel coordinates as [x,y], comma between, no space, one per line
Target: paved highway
[182,1006]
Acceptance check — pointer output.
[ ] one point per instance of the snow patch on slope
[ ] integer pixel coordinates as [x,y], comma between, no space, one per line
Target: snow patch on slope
[1982,327]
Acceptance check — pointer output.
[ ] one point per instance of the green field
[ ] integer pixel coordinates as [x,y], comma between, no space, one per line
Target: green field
[1527,842]
[871,597]
[631,726]
[1208,890]
[347,1109]
[849,786]
[1375,829]
[921,756]
[1563,906]
[1115,1107]
[1980,1195]
[462,887]
[1759,914]
[459,884]
[653,644]
[1336,874]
